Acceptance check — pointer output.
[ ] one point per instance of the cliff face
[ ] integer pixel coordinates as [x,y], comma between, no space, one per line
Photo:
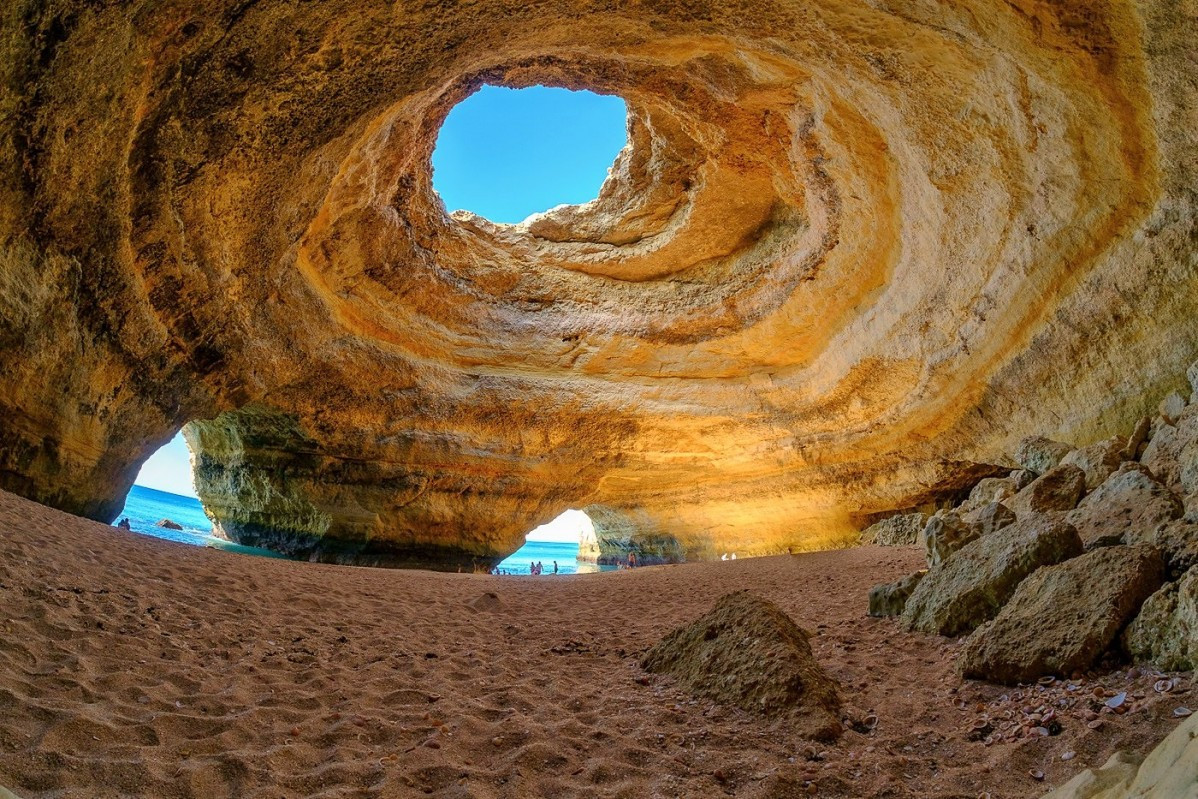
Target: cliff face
[854,250]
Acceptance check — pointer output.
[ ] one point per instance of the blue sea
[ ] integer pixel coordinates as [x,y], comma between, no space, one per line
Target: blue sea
[566,555]
[144,507]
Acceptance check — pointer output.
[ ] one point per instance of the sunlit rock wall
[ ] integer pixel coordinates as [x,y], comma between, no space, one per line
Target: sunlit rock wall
[854,251]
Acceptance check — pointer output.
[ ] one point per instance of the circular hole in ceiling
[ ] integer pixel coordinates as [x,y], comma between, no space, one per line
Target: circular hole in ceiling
[506,154]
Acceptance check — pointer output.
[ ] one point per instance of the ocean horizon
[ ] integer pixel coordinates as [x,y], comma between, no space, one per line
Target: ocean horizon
[145,507]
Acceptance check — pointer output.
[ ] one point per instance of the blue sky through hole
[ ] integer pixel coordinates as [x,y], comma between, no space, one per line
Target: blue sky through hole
[507,153]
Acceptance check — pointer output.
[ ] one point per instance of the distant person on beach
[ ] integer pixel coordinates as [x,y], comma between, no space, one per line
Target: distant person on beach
[555,567]
[632,560]
[124,524]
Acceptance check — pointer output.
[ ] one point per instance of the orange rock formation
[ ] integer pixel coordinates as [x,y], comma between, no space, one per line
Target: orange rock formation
[855,250]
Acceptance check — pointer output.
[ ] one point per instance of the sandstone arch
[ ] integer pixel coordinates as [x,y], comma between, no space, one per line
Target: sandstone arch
[855,249]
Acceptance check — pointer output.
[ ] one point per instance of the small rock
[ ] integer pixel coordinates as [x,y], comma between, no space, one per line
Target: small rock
[1099,460]
[748,653]
[167,524]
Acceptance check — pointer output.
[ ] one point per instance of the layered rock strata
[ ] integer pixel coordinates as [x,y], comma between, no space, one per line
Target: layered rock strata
[853,250]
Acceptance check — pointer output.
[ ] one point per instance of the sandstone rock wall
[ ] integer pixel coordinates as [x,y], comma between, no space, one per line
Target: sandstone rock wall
[855,251]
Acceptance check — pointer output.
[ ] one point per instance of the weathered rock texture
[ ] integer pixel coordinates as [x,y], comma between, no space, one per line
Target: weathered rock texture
[889,599]
[854,249]
[895,531]
[1169,772]
[1063,618]
[1129,504]
[1166,630]
[746,652]
[974,582]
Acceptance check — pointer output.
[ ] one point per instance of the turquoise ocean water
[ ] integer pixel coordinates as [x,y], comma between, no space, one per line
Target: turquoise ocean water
[144,507]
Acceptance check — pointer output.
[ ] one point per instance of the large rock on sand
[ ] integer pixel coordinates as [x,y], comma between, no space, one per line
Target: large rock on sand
[895,531]
[889,599]
[1062,618]
[972,585]
[747,652]
[1169,772]
[1039,454]
[1059,489]
[1166,631]
[1130,503]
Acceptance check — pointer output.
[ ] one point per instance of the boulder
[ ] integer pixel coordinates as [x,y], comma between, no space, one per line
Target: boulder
[972,585]
[1172,447]
[895,531]
[994,516]
[1129,503]
[889,599]
[1099,460]
[1058,489]
[1038,454]
[167,524]
[748,653]
[1062,618]
[1166,631]
[991,489]
[1169,772]
[944,534]
[1178,542]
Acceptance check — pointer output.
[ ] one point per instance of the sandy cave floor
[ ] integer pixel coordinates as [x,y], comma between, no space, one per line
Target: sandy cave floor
[131,666]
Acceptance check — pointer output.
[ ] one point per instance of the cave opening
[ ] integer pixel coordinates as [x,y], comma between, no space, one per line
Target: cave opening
[561,540]
[163,502]
[506,154]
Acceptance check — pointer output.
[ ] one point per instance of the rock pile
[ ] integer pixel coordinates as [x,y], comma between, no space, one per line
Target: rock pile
[1079,553]
[748,653]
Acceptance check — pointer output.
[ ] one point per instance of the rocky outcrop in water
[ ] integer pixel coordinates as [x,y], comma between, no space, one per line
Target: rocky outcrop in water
[854,252]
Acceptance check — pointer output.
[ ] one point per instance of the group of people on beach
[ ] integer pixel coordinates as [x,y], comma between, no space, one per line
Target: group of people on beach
[538,568]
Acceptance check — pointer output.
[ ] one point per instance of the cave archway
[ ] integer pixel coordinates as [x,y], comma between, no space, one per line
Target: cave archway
[781,314]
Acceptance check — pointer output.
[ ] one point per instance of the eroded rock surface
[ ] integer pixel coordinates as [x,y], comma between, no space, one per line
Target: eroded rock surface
[895,531]
[1170,771]
[974,582]
[748,653]
[889,599]
[1130,504]
[854,250]
[1063,618]
[1166,630]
